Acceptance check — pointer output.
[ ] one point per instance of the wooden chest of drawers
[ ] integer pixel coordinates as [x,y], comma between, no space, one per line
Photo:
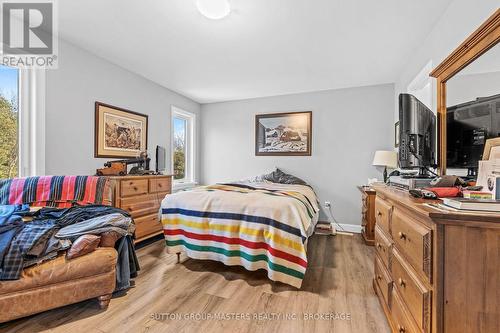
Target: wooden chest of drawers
[436,270]
[367,214]
[141,196]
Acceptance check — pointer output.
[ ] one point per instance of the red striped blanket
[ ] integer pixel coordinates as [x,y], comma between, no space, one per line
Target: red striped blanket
[55,191]
[254,225]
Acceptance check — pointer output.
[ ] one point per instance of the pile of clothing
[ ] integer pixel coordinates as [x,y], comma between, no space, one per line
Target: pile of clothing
[52,230]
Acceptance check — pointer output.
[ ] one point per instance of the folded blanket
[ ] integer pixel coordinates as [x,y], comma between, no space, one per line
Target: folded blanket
[55,191]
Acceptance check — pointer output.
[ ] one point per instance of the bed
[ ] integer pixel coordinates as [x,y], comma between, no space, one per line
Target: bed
[255,224]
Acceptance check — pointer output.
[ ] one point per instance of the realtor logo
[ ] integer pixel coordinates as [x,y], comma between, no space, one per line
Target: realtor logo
[28,34]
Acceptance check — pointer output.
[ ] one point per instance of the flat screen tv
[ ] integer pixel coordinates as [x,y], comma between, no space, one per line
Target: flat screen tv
[417,132]
[161,155]
[468,126]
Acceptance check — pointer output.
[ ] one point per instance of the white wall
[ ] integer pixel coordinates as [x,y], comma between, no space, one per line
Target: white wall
[83,78]
[348,126]
[461,18]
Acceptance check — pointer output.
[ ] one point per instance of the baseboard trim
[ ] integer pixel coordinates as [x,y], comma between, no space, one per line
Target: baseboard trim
[349,228]
[354,228]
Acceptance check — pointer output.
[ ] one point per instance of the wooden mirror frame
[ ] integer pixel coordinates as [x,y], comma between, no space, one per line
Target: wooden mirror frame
[481,40]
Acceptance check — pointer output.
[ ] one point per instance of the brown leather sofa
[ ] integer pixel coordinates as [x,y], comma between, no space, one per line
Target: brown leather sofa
[59,282]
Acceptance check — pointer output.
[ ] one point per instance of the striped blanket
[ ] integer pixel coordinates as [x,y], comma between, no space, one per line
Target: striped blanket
[55,191]
[254,225]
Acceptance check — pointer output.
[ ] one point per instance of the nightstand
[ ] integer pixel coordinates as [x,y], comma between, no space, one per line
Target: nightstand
[368,214]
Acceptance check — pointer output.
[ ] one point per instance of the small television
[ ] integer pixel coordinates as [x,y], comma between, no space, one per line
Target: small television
[161,154]
[468,126]
[417,133]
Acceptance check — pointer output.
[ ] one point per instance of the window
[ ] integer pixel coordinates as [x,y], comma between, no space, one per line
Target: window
[9,122]
[183,124]
[22,122]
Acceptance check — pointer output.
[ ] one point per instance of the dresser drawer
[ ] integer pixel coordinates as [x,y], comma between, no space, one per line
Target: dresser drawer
[401,319]
[147,225]
[414,240]
[414,293]
[133,187]
[383,279]
[160,185]
[141,205]
[383,246]
[383,214]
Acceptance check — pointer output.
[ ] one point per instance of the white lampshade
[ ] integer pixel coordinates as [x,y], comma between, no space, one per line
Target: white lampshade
[387,158]
[214,9]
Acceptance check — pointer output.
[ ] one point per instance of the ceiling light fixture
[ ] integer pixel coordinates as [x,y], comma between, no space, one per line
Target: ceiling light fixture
[213,9]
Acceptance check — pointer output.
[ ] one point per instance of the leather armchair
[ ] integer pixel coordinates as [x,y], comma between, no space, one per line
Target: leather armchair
[60,282]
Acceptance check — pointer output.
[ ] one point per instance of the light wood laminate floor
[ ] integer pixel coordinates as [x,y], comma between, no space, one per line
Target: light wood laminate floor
[338,282]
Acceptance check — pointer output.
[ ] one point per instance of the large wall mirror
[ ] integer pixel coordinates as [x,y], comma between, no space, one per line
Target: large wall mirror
[468,99]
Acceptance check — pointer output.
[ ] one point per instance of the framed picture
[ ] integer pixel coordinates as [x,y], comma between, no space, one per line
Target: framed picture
[119,132]
[283,134]
[492,149]
[396,134]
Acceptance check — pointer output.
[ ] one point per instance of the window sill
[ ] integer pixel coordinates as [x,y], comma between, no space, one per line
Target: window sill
[183,186]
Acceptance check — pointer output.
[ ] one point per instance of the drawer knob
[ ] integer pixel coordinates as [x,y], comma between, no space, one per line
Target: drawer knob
[402,282]
[402,235]
[379,277]
[401,329]
[379,213]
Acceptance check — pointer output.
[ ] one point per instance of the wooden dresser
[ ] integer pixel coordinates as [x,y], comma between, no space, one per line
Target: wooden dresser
[436,270]
[141,196]
[368,214]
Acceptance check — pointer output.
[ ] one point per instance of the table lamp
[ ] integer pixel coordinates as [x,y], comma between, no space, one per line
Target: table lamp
[387,159]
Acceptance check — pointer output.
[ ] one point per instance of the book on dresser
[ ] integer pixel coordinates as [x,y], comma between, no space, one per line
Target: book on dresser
[141,197]
[477,195]
[473,204]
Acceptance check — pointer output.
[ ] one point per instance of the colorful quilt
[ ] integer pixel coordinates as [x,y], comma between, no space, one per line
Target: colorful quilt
[254,225]
[55,191]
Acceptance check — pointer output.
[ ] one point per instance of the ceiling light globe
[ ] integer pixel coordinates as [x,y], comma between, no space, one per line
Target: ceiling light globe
[213,9]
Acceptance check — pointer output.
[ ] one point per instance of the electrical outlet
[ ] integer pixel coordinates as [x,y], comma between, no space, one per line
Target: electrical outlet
[328,204]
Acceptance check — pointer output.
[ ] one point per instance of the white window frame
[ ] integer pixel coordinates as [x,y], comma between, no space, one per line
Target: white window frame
[189,180]
[31,122]
[31,99]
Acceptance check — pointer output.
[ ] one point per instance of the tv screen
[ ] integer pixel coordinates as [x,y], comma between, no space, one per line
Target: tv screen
[160,158]
[469,125]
